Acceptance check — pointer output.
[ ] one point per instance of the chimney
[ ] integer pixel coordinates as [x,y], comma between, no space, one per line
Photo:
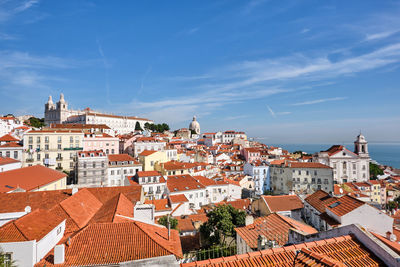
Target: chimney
[249,220]
[28,209]
[261,242]
[59,254]
[74,190]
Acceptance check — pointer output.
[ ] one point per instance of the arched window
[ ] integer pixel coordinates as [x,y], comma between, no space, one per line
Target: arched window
[344,165]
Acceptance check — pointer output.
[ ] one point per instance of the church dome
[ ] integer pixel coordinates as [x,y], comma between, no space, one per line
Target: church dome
[361,138]
[194,125]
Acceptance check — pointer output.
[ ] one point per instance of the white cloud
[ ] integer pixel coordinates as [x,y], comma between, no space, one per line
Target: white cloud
[380,35]
[271,111]
[317,101]
[8,9]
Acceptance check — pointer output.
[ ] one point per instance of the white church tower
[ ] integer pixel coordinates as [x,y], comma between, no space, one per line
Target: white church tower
[361,146]
[56,113]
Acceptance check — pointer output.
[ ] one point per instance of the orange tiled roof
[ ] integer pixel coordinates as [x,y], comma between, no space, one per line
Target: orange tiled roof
[179,198]
[319,200]
[28,178]
[11,144]
[148,173]
[8,138]
[182,183]
[283,203]
[186,223]
[159,204]
[295,164]
[111,243]
[274,227]
[4,161]
[338,251]
[147,153]
[32,226]
[120,157]
[344,205]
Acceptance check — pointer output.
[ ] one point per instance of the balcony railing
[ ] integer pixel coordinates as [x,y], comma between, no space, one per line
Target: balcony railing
[30,160]
[59,168]
[59,158]
[73,148]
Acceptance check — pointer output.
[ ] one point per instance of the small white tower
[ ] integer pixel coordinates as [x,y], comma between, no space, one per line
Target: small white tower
[361,146]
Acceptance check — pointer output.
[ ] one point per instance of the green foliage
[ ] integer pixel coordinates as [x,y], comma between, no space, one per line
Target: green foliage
[173,222]
[35,122]
[4,261]
[138,127]
[222,221]
[391,205]
[374,171]
[160,128]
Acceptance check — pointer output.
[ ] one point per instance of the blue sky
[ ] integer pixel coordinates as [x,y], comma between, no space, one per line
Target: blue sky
[283,71]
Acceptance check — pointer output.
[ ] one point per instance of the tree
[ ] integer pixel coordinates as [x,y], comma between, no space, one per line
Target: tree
[222,221]
[5,261]
[374,171]
[173,222]
[138,127]
[35,122]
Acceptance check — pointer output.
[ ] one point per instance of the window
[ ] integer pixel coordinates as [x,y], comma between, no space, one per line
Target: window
[59,146]
[307,173]
[84,174]
[315,173]
[46,147]
[38,139]
[38,156]
[71,164]
[8,154]
[46,156]
[46,139]
[112,151]
[318,180]
[59,139]
[112,172]
[354,166]
[190,196]
[58,230]
[30,139]
[299,172]
[71,139]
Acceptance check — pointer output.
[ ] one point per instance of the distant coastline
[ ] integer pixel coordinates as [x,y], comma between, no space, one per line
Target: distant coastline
[383,153]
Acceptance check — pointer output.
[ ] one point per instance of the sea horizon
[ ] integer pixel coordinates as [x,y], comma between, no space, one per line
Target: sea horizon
[383,153]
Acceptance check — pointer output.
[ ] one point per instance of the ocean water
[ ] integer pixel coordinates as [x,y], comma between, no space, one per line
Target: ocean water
[383,153]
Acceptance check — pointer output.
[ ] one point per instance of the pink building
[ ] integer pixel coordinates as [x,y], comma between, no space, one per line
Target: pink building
[105,142]
[251,154]
[126,143]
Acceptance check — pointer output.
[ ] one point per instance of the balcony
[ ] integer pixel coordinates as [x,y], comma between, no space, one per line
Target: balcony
[30,160]
[59,168]
[59,158]
[73,148]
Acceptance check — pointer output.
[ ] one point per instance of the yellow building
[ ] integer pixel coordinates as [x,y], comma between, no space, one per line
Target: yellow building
[149,158]
[56,149]
[174,168]
[32,178]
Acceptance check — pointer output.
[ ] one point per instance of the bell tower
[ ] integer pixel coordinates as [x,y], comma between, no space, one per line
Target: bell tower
[361,146]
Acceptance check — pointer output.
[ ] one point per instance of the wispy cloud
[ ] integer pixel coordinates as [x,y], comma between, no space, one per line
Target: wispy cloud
[317,101]
[275,114]
[271,111]
[7,37]
[8,9]
[252,4]
[380,35]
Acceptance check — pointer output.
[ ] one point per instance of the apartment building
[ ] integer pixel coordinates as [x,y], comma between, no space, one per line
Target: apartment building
[121,166]
[92,168]
[56,149]
[300,177]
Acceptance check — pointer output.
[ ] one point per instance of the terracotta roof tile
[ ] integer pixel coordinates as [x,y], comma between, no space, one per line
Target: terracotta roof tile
[10,144]
[4,161]
[147,153]
[274,227]
[178,183]
[320,200]
[179,198]
[120,157]
[8,138]
[32,226]
[111,243]
[329,252]
[81,206]
[344,205]
[283,202]
[28,178]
